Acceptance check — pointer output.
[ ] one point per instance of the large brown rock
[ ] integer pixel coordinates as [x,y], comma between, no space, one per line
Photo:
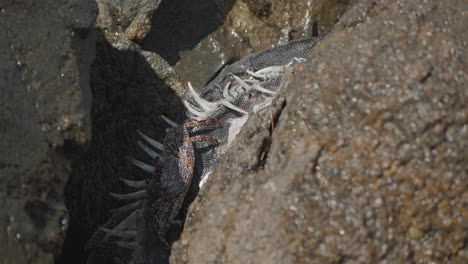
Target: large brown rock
[365,160]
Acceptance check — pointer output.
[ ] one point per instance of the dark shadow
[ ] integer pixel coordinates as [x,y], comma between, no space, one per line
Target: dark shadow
[181,24]
[126,95]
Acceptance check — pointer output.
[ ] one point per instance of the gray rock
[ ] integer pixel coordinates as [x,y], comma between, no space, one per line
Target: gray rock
[46,52]
[361,160]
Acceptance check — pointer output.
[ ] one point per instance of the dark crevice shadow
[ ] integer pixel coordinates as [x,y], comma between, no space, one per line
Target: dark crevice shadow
[126,95]
[181,24]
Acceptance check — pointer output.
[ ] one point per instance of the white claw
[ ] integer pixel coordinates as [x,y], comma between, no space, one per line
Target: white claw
[261,89]
[130,234]
[153,142]
[142,165]
[170,122]
[128,208]
[129,245]
[134,195]
[148,151]
[135,184]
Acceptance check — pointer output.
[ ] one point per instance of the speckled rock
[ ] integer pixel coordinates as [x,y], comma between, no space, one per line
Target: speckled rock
[46,52]
[362,158]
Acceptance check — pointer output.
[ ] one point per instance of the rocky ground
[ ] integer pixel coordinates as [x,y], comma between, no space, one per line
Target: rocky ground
[46,49]
[361,159]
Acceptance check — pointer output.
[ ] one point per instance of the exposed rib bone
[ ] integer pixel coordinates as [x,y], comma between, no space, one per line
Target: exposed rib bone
[130,207]
[153,142]
[254,74]
[129,245]
[205,105]
[198,115]
[148,151]
[130,234]
[226,91]
[242,83]
[142,165]
[170,122]
[231,106]
[135,184]
[251,81]
[261,89]
[270,70]
[134,195]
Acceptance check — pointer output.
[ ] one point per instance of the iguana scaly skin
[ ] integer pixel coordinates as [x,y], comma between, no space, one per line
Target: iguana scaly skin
[216,113]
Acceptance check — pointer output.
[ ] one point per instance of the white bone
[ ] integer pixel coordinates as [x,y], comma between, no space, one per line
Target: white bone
[270,70]
[231,106]
[254,74]
[242,83]
[261,89]
[205,105]
[195,112]
[226,91]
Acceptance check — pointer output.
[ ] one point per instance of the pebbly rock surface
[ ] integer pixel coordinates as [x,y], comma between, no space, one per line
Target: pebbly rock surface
[46,52]
[362,158]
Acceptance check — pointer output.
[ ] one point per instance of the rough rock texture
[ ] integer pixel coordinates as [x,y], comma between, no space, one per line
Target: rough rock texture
[365,161]
[45,52]
[204,38]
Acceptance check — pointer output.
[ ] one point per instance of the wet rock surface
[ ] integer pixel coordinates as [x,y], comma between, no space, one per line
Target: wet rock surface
[251,26]
[365,160]
[46,51]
